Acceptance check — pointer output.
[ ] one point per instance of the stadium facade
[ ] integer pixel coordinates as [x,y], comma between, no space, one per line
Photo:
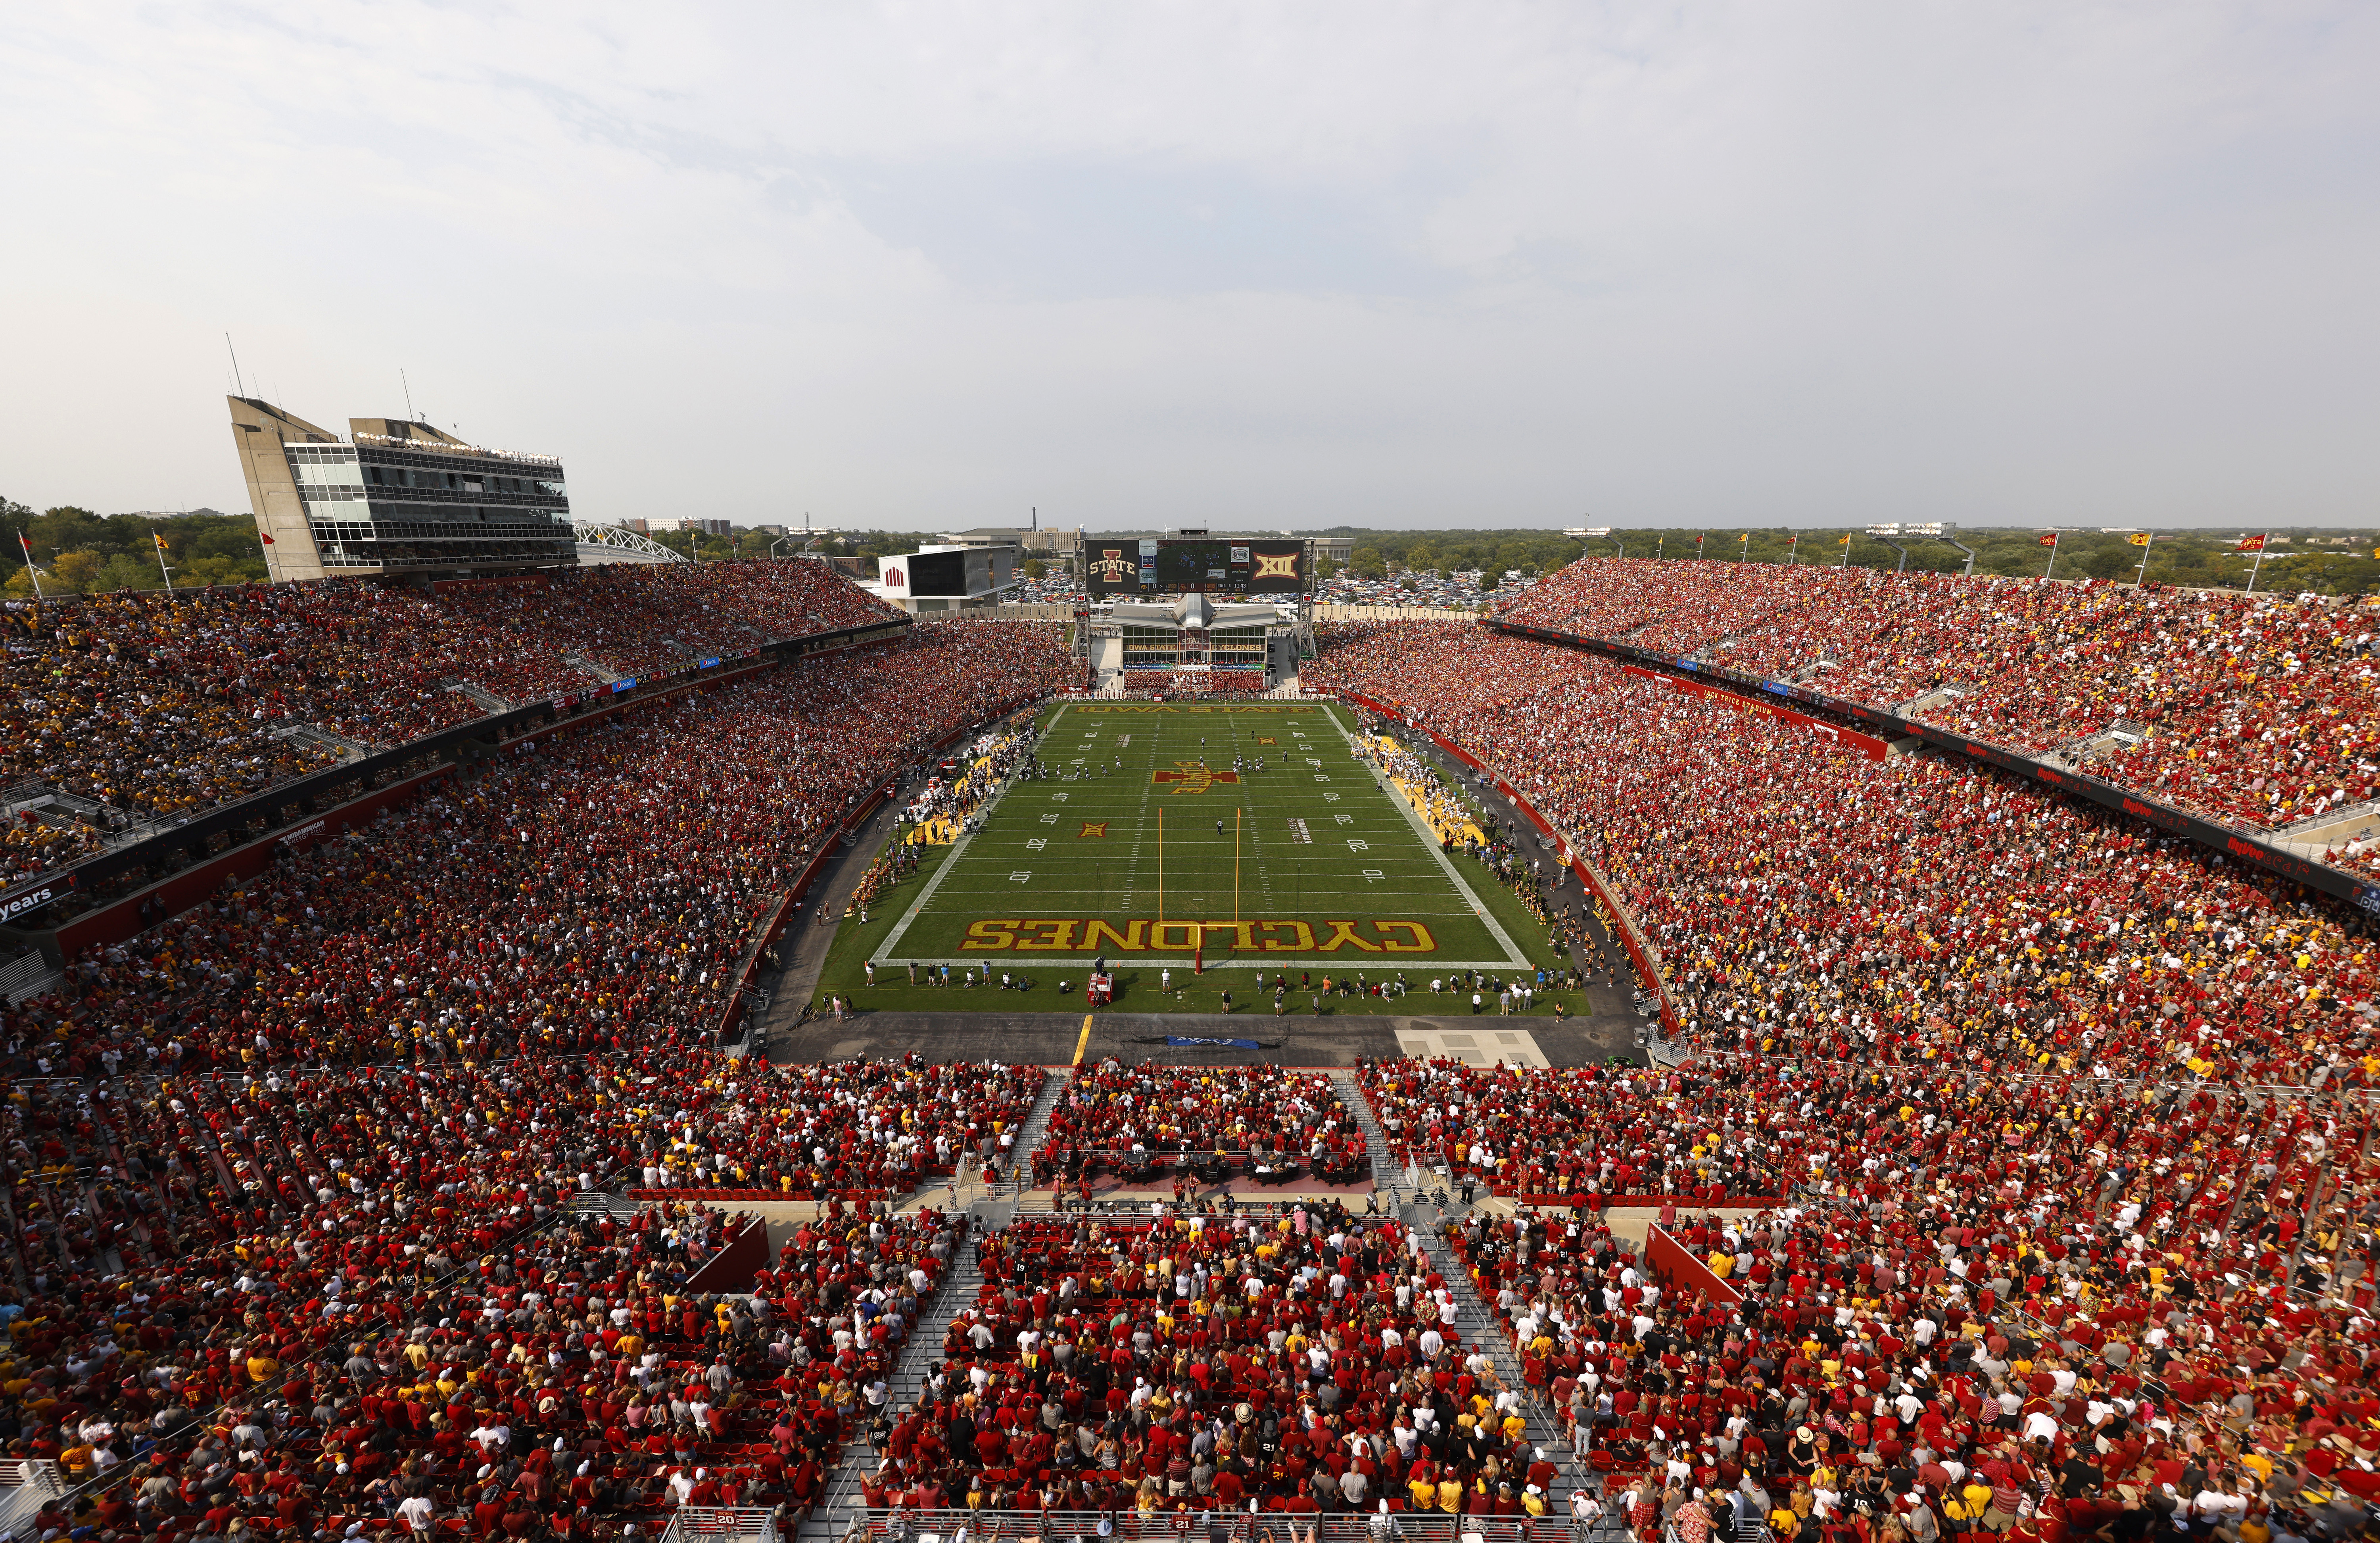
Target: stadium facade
[395,497]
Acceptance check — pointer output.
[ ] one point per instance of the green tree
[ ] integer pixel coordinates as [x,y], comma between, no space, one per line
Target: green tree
[77,570]
[1035,567]
[124,571]
[1368,563]
[211,570]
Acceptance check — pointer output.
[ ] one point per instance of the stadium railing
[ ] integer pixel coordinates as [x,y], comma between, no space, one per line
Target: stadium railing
[898,1525]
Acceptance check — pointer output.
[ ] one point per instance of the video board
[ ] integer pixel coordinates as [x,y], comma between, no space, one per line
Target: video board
[1121,567]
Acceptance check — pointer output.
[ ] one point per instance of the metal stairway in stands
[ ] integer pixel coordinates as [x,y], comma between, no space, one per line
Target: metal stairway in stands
[923,1346]
[1480,1324]
[1475,1320]
[1386,1176]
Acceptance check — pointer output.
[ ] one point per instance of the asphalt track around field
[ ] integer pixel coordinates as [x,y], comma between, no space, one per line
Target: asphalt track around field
[1289,1039]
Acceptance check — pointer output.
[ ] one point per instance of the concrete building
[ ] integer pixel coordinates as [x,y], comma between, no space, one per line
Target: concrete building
[391,496]
[1032,543]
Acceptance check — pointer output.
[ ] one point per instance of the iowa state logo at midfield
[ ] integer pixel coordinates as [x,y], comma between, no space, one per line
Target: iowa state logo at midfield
[1192,777]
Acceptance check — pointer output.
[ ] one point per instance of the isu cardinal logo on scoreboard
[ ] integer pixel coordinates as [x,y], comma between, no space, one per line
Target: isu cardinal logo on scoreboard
[1275,565]
[1111,568]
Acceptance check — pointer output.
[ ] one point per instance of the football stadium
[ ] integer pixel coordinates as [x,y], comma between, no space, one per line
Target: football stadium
[1073,866]
[693,1048]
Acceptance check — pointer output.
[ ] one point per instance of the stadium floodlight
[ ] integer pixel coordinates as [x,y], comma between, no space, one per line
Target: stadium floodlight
[1888,534]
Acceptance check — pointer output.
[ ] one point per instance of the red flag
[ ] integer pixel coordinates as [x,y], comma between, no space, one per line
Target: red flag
[2050,539]
[2253,544]
[26,544]
[266,536]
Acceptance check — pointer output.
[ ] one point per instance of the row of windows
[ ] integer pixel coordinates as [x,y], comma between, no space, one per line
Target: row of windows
[374,456]
[463,481]
[384,529]
[517,505]
[343,506]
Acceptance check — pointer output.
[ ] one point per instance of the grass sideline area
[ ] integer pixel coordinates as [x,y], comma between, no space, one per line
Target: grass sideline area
[1337,877]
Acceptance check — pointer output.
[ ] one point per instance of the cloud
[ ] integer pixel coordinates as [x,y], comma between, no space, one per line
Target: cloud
[1391,265]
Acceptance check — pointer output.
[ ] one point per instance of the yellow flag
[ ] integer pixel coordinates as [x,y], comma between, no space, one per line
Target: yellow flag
[1844,541]
[2139,541]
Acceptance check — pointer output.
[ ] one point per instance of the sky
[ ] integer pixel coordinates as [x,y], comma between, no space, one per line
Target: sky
[926,267]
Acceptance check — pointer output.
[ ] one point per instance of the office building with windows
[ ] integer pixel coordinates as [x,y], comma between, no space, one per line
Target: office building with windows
[395,497]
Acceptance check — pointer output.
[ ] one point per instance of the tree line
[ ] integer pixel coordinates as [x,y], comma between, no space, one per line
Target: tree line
[2181,558]
[79,552]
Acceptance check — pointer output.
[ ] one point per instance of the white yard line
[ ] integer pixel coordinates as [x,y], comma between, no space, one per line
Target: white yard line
[884,954]
[1428,838]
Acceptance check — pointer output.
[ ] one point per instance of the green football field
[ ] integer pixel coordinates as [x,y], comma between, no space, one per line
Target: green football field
[1313,864]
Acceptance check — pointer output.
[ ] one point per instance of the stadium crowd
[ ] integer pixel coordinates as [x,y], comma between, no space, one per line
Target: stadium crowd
[1303,1364]
[302,1152]
[1123,1115]
[152,705]
[1590,1131]
[2030,1153]
[2257,710]
[1808,901]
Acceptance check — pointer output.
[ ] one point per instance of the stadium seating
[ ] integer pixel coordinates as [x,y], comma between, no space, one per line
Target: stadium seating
[1120,1120]
[2255,710]
[2030,1152]
[1811,902]
[144,705]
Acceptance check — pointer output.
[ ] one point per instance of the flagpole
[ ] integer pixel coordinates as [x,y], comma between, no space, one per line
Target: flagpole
[163,571]
[30,566]
[2055,537]
[2146,547]
[2261,542]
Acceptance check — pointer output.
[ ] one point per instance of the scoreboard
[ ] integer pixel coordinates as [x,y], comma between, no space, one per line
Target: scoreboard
[1123,567]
